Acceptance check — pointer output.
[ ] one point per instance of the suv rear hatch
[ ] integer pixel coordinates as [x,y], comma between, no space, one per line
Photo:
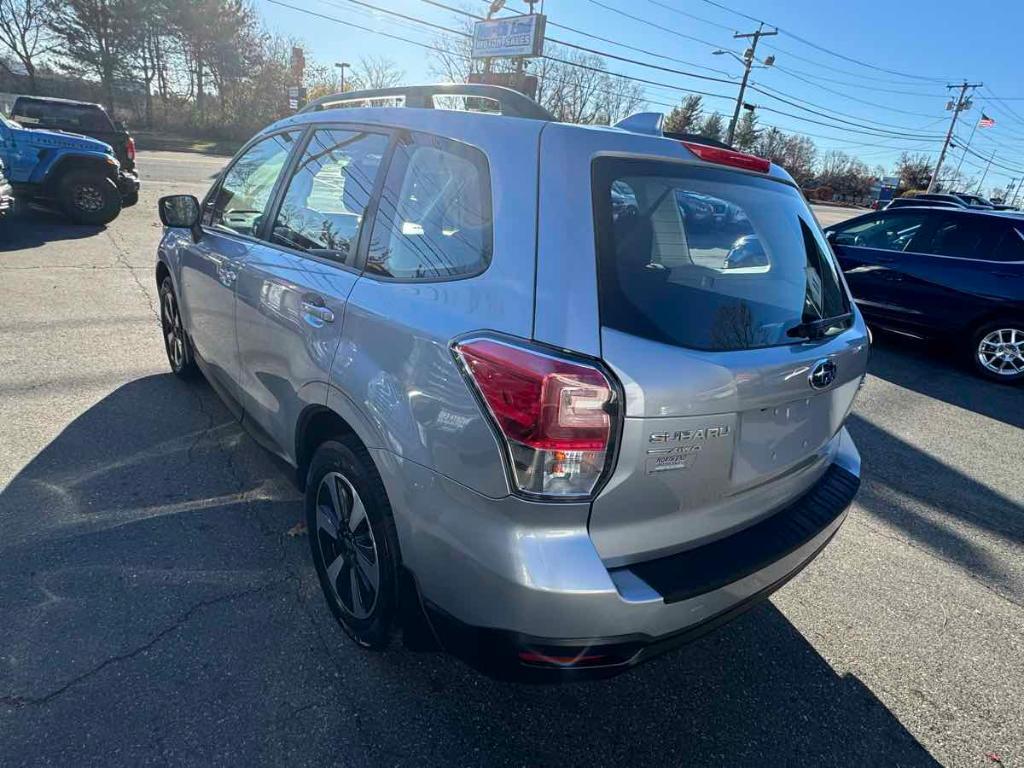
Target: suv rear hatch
[727,321]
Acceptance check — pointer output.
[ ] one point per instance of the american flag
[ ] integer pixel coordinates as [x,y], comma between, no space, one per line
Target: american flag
[986,121]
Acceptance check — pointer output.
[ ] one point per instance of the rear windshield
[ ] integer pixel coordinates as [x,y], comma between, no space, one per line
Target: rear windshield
[710,258]
[64,117]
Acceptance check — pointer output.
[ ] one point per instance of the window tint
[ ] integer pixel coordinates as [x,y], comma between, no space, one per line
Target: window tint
[966,236]
[886,231]
[65,117]
[1011,247]
[710,259]
[240,200]
[434,219]
[328,193]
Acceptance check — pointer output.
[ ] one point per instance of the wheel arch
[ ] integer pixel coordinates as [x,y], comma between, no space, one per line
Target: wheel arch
[316,424]
[162,271]
[66,164]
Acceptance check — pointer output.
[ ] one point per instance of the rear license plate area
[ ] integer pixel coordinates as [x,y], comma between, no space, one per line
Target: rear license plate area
[775,438]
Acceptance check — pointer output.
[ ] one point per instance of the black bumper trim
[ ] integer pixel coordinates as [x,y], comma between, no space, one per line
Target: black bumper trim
[704,569]
[495,652]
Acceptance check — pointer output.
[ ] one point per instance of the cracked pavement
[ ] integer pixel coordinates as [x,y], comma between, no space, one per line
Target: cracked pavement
[155,611]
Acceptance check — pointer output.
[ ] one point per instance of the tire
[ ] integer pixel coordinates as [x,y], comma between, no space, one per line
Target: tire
[89,198]
[176,341]
[997,351]
[132,198]
[350,557]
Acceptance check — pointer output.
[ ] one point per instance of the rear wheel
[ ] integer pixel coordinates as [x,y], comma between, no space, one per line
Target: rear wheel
[89,197]
[353,540]
[997,351]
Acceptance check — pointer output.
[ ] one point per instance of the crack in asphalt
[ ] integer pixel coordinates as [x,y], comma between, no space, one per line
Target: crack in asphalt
[122,258]
[23,701]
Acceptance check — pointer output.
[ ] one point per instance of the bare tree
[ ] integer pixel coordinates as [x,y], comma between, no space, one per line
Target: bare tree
[914,170]
[24,32]
[374,72]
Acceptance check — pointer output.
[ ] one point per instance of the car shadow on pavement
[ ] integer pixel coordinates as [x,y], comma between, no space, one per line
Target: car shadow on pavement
[938,372]
[921,495]
[31,227]
[159,606]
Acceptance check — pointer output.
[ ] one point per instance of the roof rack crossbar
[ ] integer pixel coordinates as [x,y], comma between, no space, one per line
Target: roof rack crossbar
[510,103]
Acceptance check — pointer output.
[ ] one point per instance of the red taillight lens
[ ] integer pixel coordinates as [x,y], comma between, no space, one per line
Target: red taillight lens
[728,157]
[555,414]
[130,148]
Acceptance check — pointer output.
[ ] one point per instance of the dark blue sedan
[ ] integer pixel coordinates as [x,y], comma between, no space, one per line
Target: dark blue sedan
[942,273]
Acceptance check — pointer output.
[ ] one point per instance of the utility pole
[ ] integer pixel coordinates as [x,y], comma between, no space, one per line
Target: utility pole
[1009,189]
[987,166]
[956,174]
[962,103]
[748,61]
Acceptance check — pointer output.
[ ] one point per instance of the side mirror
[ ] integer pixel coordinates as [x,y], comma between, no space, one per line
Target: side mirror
[181,211]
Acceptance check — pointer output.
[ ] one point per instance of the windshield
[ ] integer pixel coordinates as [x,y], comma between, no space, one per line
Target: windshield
[710,258]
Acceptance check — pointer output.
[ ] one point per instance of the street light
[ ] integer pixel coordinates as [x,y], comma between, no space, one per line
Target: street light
[748,60]
[342,66]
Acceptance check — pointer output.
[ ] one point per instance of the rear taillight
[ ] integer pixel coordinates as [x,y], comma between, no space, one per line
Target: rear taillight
[130,148]
[728,157]
[557,416]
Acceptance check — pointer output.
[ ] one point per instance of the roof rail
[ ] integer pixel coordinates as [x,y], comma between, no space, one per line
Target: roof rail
[510,103]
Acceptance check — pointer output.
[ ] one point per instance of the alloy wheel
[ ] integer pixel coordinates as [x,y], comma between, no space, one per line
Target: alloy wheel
[88,198]
[1001,351]
[174,334]
[347,546]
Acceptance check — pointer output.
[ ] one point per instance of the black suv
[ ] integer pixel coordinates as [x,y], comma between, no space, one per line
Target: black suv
[956,275]
[80,117]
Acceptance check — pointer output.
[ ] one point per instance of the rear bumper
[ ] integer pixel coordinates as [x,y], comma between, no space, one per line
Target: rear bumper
[518,589]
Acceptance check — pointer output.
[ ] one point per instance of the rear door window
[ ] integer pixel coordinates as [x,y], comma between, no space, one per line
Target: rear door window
[1011,247]
[965,236]
[328,193]
[709,258]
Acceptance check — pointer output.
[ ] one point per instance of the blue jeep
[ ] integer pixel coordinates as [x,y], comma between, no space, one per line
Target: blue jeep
[80,175]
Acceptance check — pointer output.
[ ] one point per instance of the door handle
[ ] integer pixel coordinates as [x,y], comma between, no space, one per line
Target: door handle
[319,311]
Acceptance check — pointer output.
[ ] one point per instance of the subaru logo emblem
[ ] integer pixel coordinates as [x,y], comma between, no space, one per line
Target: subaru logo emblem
[822,374]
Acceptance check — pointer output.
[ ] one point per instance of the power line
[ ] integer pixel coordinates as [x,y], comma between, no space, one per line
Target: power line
[823,49]
[892,128]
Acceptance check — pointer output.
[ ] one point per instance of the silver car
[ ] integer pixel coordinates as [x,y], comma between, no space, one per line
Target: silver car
[554,433]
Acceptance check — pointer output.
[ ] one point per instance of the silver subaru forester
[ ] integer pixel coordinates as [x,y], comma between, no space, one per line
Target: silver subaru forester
[559,397]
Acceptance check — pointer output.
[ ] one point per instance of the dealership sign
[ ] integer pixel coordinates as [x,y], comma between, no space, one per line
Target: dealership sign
[508,37]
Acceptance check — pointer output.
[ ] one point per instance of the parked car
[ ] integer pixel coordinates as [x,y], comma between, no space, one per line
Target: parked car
[913,202]
[81,117]
[527,409]
[974,201]
[955,275]
[6,193]
[78,174]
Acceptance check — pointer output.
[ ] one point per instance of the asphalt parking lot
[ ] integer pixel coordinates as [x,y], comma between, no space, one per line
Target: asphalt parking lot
[157,608]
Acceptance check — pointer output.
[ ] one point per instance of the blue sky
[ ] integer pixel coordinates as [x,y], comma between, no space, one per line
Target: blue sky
[898,58]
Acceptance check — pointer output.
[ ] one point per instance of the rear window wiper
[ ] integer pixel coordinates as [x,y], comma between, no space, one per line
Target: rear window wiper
[816,329]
